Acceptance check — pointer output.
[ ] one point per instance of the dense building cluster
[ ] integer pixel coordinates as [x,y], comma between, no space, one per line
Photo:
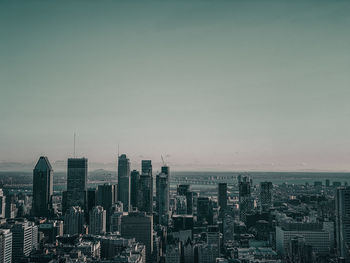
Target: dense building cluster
[143,219]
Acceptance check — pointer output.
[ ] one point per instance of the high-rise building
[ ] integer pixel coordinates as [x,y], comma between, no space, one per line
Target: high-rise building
[138,225]
[163,186]
[134,182]
[213,237]
[106,196]
[5,246]
[91,199]
[185,190]
[265,196]
[145,188]
[222,196]
[342,224]
[116,217]
[42,188]
[74,221]
[245,198]
[2,204]
[124,181]
[24,239]
[76,194]
[204,210]
[97,224]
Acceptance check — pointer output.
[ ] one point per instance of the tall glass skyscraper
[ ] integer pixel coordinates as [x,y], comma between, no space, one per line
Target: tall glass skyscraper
[124,181]
[145,189]
[76,182]
[42,187]
[342,224]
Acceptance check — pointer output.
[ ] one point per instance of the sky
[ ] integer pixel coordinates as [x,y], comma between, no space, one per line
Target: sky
[220,85]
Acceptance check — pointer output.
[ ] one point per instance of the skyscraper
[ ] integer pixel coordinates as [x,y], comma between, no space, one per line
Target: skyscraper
[265,196]
[106,196]
[135,177]
[245,198]
[97,224]
[74,221]
[42,188]
[222,196]
[23,240]
[185,190]
[5,246]
[2,204]
[163,197]
[145,188]
[342,224]
[124,181]
[138,225]
[76,183]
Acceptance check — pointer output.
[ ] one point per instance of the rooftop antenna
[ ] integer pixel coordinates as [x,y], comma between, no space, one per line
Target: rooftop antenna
[118,150]
[164,164]
[74,146]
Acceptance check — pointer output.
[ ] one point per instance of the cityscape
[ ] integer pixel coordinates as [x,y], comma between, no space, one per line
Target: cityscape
[174,131]
[144,217]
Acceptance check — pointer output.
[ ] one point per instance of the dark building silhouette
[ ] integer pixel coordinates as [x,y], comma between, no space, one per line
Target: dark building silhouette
[138,225]
[245,198]
[342,223]
[134,182]
[76,194]
[265,196]
[222,196]
[185,190]
[204,210]
[163,188]
[124,181]
[106,197]
[42,188]
[145,188]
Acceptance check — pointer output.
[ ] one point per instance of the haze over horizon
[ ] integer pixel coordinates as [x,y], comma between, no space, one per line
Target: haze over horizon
[226,85]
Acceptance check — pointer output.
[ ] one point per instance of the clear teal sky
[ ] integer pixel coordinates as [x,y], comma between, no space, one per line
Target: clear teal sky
[227,85]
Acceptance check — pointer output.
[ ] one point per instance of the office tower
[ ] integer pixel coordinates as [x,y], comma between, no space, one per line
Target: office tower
[124,181]
[2,204]
[42,188]
[23,240]
[185,190]
[106,197]
[265,196]
[115,218]
[342,223]
[204,210]
[5,246]
[91,199]
[180,205]
[10,207]
[222,196]
[245,198]
[163,197]
[138,225]
[145,188]
[76,183]
[134,182]
[213,237]
[73,221]
[97,224]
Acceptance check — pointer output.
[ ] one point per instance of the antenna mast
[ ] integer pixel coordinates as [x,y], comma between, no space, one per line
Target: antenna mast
[74,146]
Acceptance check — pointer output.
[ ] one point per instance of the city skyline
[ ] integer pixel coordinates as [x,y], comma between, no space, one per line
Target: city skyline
[215,86]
